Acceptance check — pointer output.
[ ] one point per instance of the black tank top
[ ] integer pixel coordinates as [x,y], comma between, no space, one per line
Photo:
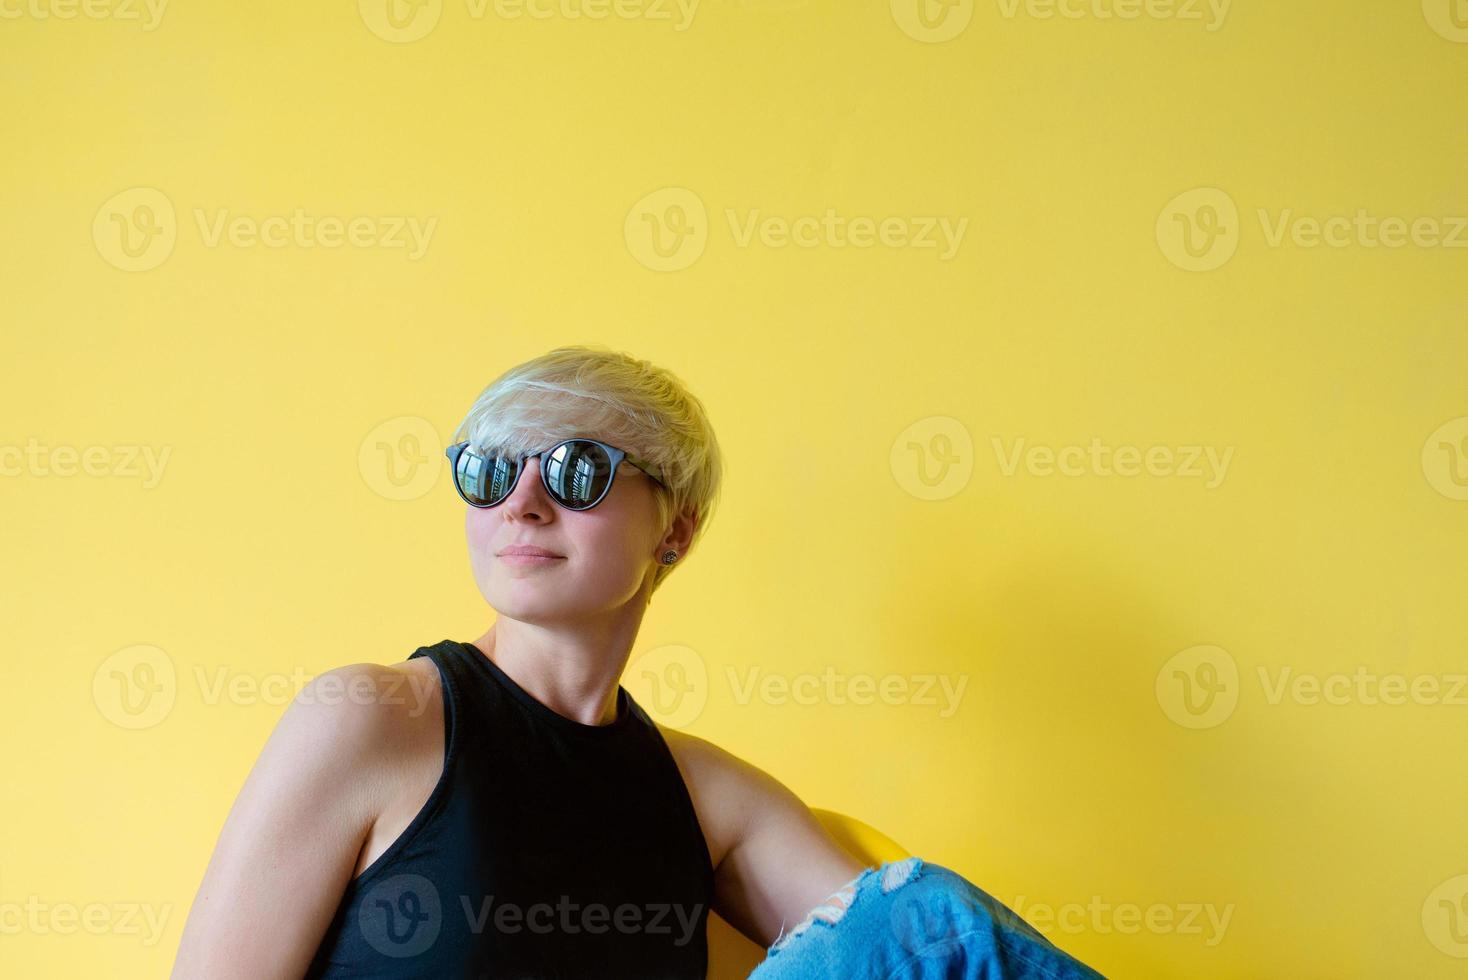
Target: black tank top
[547,849]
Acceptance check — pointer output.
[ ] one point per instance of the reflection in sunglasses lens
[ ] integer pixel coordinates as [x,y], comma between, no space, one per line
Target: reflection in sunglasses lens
[577,473]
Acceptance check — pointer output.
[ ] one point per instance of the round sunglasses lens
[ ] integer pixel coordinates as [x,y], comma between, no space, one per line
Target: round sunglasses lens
[484,480]
[577,473]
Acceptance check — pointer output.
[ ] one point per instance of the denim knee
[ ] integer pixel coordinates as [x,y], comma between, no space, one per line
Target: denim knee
[940,915]
[915,919]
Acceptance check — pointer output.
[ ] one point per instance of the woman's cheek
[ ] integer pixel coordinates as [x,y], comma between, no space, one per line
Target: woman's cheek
[478,529]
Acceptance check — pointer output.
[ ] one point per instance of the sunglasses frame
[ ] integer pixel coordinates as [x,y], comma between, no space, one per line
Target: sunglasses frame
[613,453]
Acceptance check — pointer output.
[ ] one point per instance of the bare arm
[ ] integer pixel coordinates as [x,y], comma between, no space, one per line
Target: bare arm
[291,840]
[780,862]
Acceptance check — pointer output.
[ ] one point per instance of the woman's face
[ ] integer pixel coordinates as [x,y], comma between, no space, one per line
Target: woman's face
[607,552]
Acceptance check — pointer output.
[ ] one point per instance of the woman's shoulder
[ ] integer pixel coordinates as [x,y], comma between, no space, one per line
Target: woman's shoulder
[375,711]
[717,782]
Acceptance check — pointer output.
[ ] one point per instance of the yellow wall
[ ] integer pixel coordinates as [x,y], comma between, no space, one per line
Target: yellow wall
[1121,766]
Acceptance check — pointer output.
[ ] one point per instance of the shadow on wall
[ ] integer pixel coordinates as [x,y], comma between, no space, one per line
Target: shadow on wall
[733,957]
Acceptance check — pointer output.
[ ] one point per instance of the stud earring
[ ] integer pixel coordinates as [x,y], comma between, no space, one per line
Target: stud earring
[669,557]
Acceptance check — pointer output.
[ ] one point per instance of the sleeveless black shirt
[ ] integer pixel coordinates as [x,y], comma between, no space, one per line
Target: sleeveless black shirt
[547,849]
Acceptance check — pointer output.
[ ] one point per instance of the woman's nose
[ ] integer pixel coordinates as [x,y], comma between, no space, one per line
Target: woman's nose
[528,501]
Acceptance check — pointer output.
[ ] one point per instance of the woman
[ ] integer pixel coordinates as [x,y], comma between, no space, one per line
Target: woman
[504,808]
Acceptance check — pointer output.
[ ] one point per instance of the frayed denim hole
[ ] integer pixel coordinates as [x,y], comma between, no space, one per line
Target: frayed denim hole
[829,913]
[895,874]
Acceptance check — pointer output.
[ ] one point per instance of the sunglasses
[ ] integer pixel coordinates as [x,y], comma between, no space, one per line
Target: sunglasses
[577,473]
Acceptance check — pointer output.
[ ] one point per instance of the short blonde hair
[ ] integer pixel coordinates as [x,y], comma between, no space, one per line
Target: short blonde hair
[622,400]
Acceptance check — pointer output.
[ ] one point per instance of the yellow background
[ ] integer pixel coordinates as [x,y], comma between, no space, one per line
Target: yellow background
[271,548]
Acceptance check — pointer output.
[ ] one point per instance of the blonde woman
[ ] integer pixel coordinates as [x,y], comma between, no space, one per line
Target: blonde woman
[504,808]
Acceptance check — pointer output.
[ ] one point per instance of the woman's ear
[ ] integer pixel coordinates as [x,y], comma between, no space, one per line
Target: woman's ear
[680,535]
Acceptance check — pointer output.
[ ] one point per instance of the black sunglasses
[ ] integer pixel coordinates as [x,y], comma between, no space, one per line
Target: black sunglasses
[577,472]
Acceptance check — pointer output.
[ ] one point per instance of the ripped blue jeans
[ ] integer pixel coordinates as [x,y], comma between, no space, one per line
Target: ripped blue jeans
[916,920]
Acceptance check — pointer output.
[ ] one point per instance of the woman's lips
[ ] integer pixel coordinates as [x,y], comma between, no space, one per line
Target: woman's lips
[509,558]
